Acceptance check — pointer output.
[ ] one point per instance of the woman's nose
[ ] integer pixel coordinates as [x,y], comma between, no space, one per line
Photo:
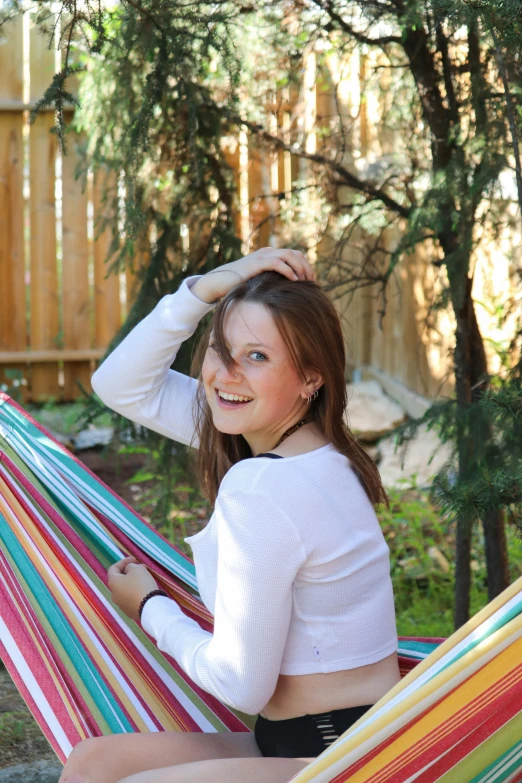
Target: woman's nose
[226,375]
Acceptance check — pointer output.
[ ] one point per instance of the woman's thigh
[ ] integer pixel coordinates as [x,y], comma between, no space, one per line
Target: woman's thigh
[255,770]
[111,758]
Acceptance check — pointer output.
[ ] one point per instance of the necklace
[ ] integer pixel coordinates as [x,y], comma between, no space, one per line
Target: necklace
[295,427]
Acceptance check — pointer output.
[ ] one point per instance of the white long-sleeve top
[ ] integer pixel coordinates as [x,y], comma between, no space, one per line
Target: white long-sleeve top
[292,564]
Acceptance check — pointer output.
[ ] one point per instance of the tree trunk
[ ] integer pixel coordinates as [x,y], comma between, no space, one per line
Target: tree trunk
[497,559]
[471,381]
[462,573]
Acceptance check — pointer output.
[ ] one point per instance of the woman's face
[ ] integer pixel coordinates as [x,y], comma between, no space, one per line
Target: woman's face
[263,373]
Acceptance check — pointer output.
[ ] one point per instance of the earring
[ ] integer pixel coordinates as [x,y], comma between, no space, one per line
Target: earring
[312,396]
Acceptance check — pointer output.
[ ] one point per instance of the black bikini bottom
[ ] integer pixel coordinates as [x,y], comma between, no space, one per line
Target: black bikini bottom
[306,736]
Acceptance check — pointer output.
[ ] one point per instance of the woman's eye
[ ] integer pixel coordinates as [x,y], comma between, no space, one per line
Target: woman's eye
[259,354]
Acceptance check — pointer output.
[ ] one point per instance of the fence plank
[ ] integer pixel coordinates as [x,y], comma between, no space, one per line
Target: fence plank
[12,276]
[231,149]
[106,289]
[76,321]
[44,275]
[259,224]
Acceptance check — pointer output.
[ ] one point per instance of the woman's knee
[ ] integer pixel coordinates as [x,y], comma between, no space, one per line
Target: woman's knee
[81,764]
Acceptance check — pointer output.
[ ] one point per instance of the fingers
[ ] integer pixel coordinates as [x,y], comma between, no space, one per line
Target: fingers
[299,263]
[120,566]
[130,566]
[284,269]
[292,263]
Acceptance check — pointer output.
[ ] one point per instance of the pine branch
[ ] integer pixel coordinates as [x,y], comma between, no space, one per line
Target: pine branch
[345,176]
[384,40]
[511,116]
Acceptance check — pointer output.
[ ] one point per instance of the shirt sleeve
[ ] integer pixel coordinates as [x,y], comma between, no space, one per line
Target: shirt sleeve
[136,380]
[260,553]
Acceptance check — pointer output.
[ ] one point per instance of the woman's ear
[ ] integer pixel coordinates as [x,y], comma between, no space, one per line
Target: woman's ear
[313,383]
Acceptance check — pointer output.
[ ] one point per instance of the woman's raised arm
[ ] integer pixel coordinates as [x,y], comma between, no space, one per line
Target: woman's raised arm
[136,380]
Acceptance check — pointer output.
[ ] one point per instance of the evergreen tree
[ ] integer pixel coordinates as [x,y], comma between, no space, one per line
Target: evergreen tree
[168,83]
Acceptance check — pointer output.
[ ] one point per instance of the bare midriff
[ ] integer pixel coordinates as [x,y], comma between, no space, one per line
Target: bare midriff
[307,694]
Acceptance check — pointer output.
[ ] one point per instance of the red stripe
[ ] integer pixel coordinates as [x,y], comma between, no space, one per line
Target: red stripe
[169,581]
[11,668]
[71,571]
[68,531]
[356,766]
[172,705]
[26,642]
[79,545]
[407,664]
[63,526]
[441,739]
[428,639]
[81,465]
[79,579]
[505,712]
[39,671]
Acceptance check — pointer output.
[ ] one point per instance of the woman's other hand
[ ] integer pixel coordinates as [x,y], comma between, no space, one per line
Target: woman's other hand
[217,283]
[129,583]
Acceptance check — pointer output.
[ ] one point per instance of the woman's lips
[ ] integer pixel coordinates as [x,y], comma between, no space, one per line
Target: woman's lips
[230,405]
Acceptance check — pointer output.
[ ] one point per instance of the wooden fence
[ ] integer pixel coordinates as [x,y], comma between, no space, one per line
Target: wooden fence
[58,310]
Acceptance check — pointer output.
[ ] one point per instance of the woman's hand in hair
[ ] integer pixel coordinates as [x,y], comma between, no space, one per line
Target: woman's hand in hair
[217,283]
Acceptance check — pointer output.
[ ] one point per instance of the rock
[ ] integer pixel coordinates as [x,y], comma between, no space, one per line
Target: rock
[421,449]
[93,436]
[42,771]
[441,560]
[370,414]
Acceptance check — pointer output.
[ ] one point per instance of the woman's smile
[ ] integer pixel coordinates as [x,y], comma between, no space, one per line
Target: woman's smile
[231,404]
[262,376]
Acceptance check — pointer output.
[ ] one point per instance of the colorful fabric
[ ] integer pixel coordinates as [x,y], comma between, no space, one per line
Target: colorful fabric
[85,669]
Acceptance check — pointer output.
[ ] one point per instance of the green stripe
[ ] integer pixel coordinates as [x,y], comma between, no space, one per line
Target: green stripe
[39,596]
[182,568]
[475,766]
[177,678]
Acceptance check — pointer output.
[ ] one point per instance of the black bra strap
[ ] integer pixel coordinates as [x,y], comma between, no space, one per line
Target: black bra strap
[269,454]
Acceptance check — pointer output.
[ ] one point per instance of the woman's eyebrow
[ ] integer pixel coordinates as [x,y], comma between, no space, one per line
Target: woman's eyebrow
[250,345]
[261,344]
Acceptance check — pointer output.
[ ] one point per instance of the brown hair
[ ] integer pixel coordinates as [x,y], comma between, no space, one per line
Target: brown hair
[311,329]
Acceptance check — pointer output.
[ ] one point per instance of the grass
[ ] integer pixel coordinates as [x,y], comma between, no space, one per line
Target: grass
[422,549]
[21,739]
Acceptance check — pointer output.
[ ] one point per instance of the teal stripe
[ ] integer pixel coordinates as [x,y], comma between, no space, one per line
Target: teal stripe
[487,631]
[409,648]
[85,669]
[98,496]
[512,758]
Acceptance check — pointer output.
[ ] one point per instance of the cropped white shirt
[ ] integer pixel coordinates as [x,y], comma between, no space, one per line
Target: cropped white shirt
[293,564]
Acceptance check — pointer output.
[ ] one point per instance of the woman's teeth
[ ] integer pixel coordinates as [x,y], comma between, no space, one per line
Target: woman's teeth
[233,397]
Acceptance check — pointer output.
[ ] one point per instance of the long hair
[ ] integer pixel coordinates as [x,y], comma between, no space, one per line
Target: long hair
[310,327]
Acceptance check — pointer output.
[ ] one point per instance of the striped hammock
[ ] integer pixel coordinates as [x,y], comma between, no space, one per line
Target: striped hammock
[85,669]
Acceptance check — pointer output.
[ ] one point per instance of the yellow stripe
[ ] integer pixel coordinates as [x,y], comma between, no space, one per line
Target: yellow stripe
[166,717]
[71,710]
[447,717]
[459,670]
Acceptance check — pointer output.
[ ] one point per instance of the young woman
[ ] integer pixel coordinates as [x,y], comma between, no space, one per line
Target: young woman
[292,564]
